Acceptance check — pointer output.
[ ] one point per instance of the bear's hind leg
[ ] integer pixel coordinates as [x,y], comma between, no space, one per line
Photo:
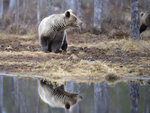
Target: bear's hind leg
[44,44]
[49,46]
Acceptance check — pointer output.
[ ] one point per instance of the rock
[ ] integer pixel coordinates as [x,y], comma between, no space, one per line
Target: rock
[73,57]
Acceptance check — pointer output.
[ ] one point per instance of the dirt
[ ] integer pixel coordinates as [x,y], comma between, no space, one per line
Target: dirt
[22,54]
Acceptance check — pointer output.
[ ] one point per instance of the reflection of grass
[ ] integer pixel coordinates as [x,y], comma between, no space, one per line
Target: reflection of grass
[111,77]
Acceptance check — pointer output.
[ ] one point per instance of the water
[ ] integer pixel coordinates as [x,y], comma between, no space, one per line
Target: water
[20,95]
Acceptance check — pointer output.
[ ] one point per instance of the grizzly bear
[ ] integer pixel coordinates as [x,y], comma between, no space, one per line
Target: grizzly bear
[144,21]
[52,31]
[56,96]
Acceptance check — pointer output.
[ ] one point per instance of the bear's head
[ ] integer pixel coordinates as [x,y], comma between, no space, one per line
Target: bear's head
[55,95]
[145,18]
[71,19]
[72,100]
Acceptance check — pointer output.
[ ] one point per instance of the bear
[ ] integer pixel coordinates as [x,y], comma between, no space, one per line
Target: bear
[144,21]
[56,96]
[52,31]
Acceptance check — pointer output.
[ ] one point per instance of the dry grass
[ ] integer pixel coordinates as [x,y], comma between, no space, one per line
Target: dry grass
[87,56]
[136,46]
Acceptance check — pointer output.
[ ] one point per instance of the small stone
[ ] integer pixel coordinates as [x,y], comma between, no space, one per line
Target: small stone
[73,57]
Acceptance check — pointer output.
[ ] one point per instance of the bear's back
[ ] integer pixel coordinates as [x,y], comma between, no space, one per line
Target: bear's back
[47,24]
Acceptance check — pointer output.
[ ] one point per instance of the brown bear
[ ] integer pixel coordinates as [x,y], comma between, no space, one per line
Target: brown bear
[52,34]
[144,21]
[56,96]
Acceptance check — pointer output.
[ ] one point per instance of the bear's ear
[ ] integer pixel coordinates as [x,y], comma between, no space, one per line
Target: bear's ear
[67,14]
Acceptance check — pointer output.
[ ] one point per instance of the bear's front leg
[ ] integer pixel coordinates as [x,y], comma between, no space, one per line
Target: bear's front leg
[44,44]
[64,45]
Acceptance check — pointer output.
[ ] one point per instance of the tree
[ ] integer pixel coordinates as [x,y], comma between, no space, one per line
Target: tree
[11,4]
[16,90]
[78,110]
[48,7]
[1,94]
[52,6]
[68,4]
[134,96]
[97,13]
[38,12]
[1,9]
[135,20]
[106,98]
[106,9]
[69,87]
[79,9]
[17,14]
[97,97]
[63,5]
[72,4]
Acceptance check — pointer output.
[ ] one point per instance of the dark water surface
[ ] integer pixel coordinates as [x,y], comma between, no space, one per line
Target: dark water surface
[19,95]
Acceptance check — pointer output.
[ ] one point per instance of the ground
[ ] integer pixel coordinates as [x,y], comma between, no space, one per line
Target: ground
[87,55]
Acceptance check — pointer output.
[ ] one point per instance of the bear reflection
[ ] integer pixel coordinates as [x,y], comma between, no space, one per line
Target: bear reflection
[56,96]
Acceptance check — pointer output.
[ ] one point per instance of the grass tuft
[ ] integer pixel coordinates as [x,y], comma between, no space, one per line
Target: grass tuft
[111,77]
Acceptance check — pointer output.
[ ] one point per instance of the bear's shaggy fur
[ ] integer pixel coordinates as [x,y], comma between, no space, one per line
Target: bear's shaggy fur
[144,21]
[52,34]
[56,96]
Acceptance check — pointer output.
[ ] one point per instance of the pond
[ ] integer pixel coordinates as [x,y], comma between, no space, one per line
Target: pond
[25,95]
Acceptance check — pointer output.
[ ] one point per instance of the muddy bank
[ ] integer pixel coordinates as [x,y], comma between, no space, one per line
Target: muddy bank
[87,55]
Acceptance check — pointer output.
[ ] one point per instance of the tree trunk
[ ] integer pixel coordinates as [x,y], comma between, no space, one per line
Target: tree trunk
[38,12]
[16,92]
[106,10]
[97,98]
[72,4]
[38,99]
[134,96]
[63,5]
[11,4]
[97,13]
[25,11]
[48,7]
[106,98]
[1,9]
[17,14]
[79,9]
[135,20]
[78,110]
[1,94]
[69,87]
[52,6]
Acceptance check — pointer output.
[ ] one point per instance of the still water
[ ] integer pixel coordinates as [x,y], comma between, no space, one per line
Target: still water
[19,95]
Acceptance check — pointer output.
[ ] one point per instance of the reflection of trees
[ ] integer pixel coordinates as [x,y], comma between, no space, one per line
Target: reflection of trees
[69,88]
[16,92]
[106,98]
[97,97]
[78,104]
[1,94]
[134,96]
